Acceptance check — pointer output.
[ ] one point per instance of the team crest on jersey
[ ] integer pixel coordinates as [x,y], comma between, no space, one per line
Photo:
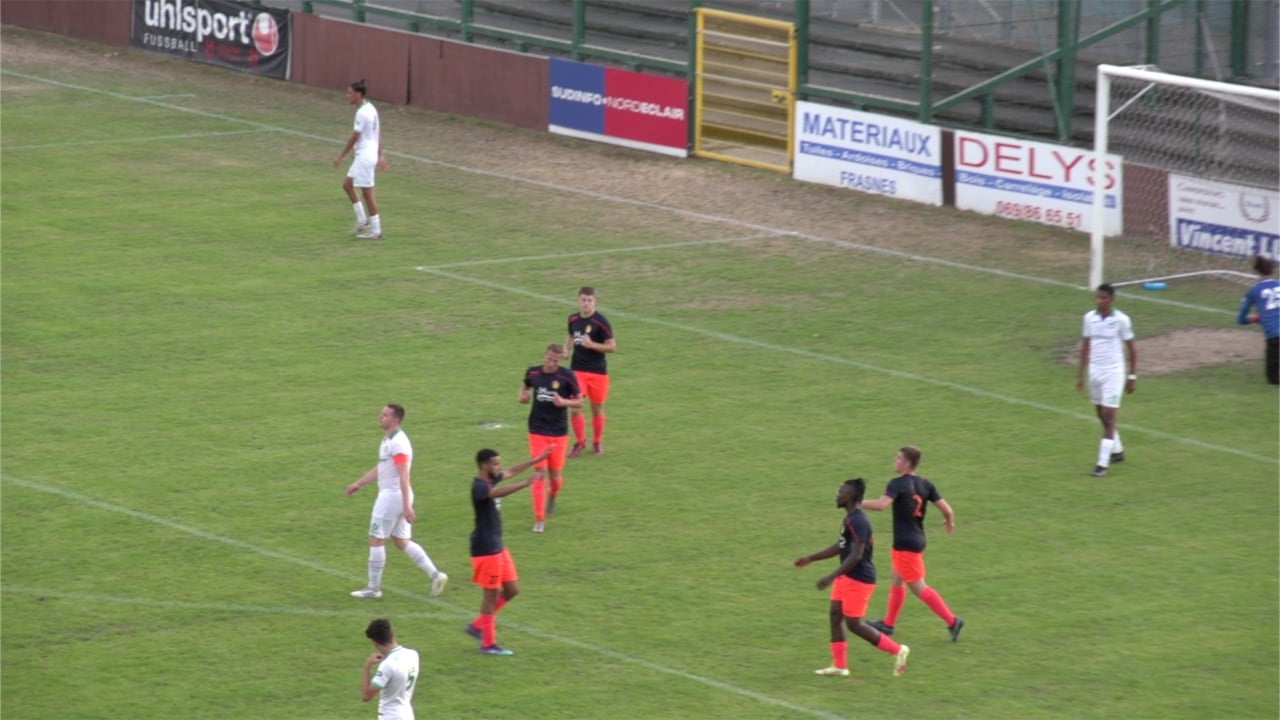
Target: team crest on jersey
[555,384]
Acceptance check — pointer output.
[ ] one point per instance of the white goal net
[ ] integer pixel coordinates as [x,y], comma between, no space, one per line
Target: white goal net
[1201,178]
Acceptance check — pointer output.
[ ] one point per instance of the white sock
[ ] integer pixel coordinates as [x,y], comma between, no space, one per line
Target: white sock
[1116,445]
[421,559]
[375,224]
[1104,451]
[377,561]
[361,217]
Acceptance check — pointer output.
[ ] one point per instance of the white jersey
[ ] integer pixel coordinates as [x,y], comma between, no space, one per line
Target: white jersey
[395,679]
[1107,336]
[397,443]
[370,129]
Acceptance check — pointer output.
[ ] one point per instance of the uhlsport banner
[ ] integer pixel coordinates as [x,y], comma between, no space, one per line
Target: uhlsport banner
[221,32]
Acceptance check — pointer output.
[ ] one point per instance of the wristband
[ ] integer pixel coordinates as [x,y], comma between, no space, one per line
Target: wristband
[1133,376]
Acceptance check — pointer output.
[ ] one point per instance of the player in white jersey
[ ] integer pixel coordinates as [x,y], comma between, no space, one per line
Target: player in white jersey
[396,675]
[1107,342]
[366,138]
[393,513]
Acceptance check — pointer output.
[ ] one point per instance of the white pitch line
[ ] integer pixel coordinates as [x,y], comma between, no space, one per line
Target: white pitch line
[461,611]
[812,355]
[607,251]
[682,212]
[126,141]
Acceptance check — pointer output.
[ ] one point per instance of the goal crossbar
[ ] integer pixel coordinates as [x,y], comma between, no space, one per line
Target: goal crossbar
[1263,98]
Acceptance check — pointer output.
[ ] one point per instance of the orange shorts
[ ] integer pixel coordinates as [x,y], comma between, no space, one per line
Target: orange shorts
[908,564]
[490,571]
[559,445]
[595,386]
[852,595]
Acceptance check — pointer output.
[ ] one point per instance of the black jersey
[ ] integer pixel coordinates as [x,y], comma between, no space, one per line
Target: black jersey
[911,497]
[857,529]
[544,417]
[486,539]
[597,328]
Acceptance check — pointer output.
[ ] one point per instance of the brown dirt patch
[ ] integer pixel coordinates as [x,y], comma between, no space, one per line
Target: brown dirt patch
[1191,348]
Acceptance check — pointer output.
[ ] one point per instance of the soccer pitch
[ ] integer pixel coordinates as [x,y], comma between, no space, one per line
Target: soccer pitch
[195,353]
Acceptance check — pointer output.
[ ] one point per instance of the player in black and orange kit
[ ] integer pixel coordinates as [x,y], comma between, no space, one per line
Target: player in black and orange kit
[492,567]
[852,583]
[552,390]
[909,494]
[591,337]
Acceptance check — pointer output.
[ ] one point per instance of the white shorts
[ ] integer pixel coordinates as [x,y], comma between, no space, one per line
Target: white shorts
[387,519]
[362,170]
[1106,387]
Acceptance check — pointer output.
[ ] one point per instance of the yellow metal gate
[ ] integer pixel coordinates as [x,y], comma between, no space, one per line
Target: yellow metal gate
[745,89]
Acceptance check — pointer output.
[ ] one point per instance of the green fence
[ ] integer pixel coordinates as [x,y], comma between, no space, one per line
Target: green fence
[1013,66]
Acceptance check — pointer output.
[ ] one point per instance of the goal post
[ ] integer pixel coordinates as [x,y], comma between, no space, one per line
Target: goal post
[1216,143]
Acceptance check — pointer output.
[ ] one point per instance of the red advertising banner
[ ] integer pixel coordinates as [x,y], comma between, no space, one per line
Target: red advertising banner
[647,108]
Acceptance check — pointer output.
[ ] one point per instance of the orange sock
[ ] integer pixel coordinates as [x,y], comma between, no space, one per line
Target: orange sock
[579,424]
[897,596]
[839,653]
[498,605]
[938,606]
[488,630]
[556,484]
[597,427]
[539,492]
[887,644]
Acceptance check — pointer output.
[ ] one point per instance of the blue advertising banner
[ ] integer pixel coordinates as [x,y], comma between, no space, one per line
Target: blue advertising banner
[577,96]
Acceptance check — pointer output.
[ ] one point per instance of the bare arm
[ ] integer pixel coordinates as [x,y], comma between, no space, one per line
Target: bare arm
[608,346]
[1130,383]
[525,394]
[406,491]
[497,491]
[368,690]
[820,555]
[364,480]
[878,504]
[351,142]
[948,515]
[1084,363]
[573,402]
[382,160]
[518,468]
[855,554]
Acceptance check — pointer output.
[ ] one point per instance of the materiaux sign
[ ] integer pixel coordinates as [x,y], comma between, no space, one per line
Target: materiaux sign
[868,153]
[1223,218]
[221,32]
[632,109]
[1039,182]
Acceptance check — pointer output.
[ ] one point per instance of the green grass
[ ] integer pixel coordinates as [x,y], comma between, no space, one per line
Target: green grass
[194,356]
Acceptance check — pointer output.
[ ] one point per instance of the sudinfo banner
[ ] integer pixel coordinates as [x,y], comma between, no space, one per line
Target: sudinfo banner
[222,32]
